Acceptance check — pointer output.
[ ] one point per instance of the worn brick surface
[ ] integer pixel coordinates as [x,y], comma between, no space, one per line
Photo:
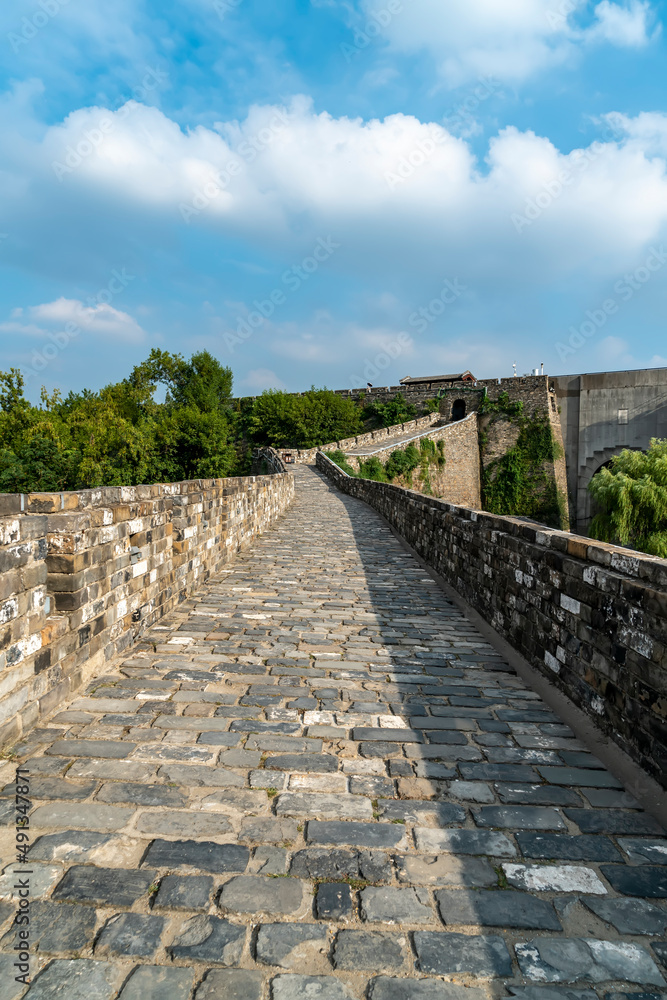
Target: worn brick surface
[367,865]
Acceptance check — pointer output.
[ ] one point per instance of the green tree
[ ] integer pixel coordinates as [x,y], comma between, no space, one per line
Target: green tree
[631,497]
[314,418]
[121,435]
[396,411]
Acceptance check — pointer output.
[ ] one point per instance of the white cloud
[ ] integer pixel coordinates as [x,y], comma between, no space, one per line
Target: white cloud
[657,361]
[386,190]
[626,27]
[99,321]
[511,40]
[260,379]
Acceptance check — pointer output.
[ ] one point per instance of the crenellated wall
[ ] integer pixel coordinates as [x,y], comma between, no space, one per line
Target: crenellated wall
[590,616]
[82,574]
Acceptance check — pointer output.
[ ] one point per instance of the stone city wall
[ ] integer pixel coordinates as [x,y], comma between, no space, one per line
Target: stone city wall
[592,617]
[459,480]
[83,574]
[307,456]
[529,388]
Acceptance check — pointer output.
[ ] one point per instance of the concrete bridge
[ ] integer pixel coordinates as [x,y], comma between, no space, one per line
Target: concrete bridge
[270,754]
[602,414]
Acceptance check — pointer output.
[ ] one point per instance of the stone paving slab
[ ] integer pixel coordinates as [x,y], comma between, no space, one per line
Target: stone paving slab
[316,780]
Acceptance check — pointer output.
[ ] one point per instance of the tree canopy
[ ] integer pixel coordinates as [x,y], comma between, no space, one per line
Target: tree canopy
[631,497]
[316,417]
[120,435]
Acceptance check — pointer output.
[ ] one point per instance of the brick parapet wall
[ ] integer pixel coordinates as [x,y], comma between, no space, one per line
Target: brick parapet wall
[592,617]
[521,387]
[307,455]
[459,481]
[83,578]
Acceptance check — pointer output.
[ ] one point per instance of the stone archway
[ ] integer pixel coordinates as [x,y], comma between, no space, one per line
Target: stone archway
[458,409]
[593,464]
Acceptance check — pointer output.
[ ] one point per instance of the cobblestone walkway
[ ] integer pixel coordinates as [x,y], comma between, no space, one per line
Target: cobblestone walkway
[316,782]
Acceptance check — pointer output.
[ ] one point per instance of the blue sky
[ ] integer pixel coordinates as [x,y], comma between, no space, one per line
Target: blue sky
[330,193]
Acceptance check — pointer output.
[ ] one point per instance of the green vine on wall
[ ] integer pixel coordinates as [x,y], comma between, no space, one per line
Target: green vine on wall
[521,482]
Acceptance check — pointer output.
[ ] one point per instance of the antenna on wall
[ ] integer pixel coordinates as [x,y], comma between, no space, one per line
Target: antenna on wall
[542,368]
[514,367]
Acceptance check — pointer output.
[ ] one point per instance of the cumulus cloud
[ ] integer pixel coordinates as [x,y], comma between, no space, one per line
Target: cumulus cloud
[382,189]
[408,205]
[96,321]
[510,40]
[626,27]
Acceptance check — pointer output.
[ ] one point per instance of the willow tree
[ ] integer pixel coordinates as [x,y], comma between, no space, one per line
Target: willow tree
[631,498]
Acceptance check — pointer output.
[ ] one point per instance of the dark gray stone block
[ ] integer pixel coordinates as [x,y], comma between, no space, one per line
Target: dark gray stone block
[497,909]
[500,772]
[568,847]
[143,795]
[362,834]
[262,894]
[370,951]
[569,776]
[568,960]
[230,984]
[414,811]
[291,945]
[537,795]
[77,979]
[209,939]
[155,982]
[314,987]
[183,892]
[645,852]
[384,988]
[71,845]
[56,928]
[304,763]
[365,734]
[204,855]
[518,817]
[443,954]
[130,934]
[110,749]
[641,880]
[334,901]
[396,906]
[614,821]
[113,886]
[629,916]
